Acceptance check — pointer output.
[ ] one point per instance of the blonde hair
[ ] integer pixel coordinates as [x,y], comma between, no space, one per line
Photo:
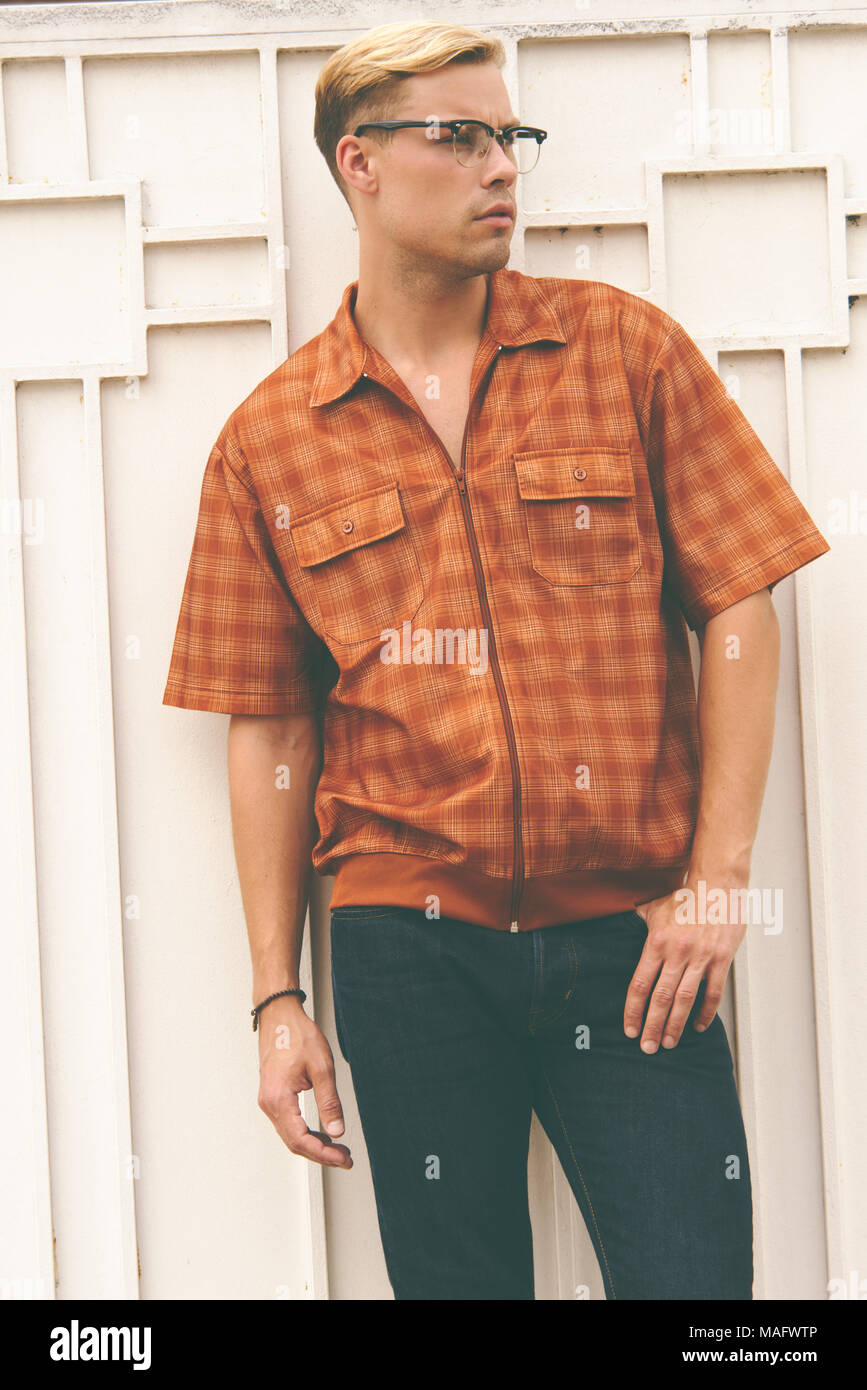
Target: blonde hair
[362,81]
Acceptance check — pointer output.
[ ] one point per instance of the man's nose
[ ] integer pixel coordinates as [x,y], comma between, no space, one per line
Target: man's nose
[498,165]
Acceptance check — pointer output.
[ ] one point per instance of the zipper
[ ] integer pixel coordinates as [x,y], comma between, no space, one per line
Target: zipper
[460,477]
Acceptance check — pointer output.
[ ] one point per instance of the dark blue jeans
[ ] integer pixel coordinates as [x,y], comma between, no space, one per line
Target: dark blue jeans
[455,1032]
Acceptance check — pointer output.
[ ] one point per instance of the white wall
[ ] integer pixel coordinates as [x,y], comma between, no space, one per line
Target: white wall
[168,233]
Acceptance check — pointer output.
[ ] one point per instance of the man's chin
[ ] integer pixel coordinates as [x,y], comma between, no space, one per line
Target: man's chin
[468,261]
[493,256]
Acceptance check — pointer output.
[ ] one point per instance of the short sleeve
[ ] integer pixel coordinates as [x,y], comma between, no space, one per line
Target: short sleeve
[729,520]
[241,644]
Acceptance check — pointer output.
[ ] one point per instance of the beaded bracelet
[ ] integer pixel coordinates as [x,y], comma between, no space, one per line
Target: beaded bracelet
[255,1012]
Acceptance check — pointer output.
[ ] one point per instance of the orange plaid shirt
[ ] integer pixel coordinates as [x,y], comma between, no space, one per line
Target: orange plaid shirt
[499,653]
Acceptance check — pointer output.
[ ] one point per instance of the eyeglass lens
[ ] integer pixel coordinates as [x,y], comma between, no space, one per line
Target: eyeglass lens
[472,142]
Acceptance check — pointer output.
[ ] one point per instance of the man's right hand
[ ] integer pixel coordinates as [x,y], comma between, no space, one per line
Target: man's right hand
[295,1056]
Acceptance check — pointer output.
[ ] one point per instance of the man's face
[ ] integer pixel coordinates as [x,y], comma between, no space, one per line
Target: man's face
[427,207]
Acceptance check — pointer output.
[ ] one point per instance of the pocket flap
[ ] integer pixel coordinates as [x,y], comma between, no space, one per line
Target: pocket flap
[346,525]
[551,473]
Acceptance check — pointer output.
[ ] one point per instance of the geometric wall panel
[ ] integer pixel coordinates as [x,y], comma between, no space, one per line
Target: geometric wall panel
[37,120]
[606,103]
[206,272]
[724,240]
[614,252]
[740,93]
[76,310]
[137,105]
[856,246]
[828,79]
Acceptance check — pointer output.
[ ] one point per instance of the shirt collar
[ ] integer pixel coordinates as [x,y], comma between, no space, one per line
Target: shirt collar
[518,314]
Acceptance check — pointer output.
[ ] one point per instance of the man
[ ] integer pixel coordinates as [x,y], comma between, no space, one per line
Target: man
[445,558]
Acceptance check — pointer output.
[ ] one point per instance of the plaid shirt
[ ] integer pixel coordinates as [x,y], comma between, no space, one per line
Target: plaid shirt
[499,652]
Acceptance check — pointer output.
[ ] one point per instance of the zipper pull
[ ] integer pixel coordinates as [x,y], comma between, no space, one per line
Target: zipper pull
[513,927]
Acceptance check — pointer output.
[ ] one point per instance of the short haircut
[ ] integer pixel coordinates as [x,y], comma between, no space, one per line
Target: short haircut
[362,81]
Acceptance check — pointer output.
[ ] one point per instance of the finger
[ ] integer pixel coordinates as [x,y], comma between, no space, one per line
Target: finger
[716,979]
[290,1124]
[661,1002]
[313,1144]
[684,999]
[328,1101]
[640,986]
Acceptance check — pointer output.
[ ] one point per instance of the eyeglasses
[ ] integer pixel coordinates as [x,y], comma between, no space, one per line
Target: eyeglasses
[471,140]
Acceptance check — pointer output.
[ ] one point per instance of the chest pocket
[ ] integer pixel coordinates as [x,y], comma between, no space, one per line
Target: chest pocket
[362,564]
[579,510]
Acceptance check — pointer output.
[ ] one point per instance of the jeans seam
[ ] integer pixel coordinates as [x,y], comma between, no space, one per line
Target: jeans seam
[573,975]
[583,1183]
[537,974]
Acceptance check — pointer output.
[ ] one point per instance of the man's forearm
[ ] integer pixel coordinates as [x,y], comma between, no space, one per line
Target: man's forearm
[736,710]
[274,830]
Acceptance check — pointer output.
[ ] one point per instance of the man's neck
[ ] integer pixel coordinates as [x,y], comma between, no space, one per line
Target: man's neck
[418,325]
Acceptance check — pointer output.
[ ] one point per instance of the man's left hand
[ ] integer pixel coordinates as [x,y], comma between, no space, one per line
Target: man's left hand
[681,955]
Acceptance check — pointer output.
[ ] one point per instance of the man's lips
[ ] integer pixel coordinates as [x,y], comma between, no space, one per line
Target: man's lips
[500,214]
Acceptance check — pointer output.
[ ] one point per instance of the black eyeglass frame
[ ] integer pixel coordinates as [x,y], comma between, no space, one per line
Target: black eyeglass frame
[493,131]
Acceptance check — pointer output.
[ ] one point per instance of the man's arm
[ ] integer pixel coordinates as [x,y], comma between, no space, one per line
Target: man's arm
[274,830]
[740,658]
[737,696]
[274,766]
